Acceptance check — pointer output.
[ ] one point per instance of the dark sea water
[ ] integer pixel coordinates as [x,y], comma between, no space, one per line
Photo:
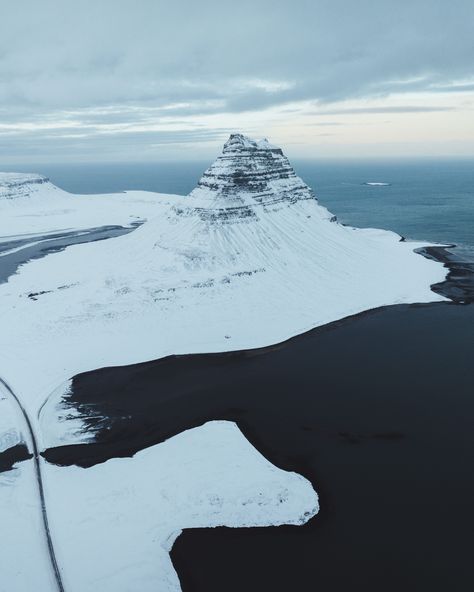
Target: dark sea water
[376,410]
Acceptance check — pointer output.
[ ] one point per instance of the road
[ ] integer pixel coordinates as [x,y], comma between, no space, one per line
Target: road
[39,481]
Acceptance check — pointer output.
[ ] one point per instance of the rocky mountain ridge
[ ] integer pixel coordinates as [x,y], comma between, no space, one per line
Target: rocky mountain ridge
[13,185]
[249,176]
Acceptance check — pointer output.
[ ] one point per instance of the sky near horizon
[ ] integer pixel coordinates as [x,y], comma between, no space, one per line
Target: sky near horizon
[123,80]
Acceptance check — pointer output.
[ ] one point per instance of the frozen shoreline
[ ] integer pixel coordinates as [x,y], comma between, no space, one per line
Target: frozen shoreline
[136,508]
[83,402]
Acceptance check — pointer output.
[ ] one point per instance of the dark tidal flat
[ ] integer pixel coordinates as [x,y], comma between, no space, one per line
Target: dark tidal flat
[376,410]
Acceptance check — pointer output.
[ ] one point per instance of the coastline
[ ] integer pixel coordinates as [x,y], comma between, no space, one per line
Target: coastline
[459,283]
[369,404]
[89,389]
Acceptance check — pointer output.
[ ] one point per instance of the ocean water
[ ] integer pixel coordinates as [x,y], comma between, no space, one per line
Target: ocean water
[432,200]
[425,199]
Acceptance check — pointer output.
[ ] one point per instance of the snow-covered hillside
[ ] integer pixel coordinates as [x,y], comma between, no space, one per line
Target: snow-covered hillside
[31,205]
[248,259]
[17,185]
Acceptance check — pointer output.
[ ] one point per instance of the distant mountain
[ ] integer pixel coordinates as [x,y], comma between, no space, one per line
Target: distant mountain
[16,185]
[31,204]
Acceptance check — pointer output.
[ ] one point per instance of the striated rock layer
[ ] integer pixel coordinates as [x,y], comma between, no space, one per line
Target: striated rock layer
[246,177]
[15,185]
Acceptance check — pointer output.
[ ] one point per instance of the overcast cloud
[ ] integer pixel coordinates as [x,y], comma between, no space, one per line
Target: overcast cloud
[106,78]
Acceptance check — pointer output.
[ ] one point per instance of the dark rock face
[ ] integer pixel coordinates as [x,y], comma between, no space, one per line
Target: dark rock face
[459,283]
[247,174]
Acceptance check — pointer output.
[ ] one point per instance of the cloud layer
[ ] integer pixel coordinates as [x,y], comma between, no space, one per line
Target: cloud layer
[151,72]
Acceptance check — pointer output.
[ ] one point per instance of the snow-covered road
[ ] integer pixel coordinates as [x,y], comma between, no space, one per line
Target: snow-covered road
[7,395]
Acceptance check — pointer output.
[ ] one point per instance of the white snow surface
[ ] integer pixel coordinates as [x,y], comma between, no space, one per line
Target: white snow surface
[115,523]
[10,422]
[24,560]
[248,259]
[30,205]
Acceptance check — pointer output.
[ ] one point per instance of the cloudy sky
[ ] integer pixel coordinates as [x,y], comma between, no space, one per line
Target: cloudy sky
[118,80]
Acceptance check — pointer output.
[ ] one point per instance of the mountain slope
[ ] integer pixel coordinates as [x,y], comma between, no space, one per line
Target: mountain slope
[248,259]
[31,205]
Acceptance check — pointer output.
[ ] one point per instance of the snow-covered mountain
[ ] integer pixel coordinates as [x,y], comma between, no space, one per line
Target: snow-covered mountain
[246,175]
[17,185]
[30,205]
[248,259]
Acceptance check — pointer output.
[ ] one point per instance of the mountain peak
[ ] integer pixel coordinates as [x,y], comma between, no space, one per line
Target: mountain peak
[240,143]
[249,175]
